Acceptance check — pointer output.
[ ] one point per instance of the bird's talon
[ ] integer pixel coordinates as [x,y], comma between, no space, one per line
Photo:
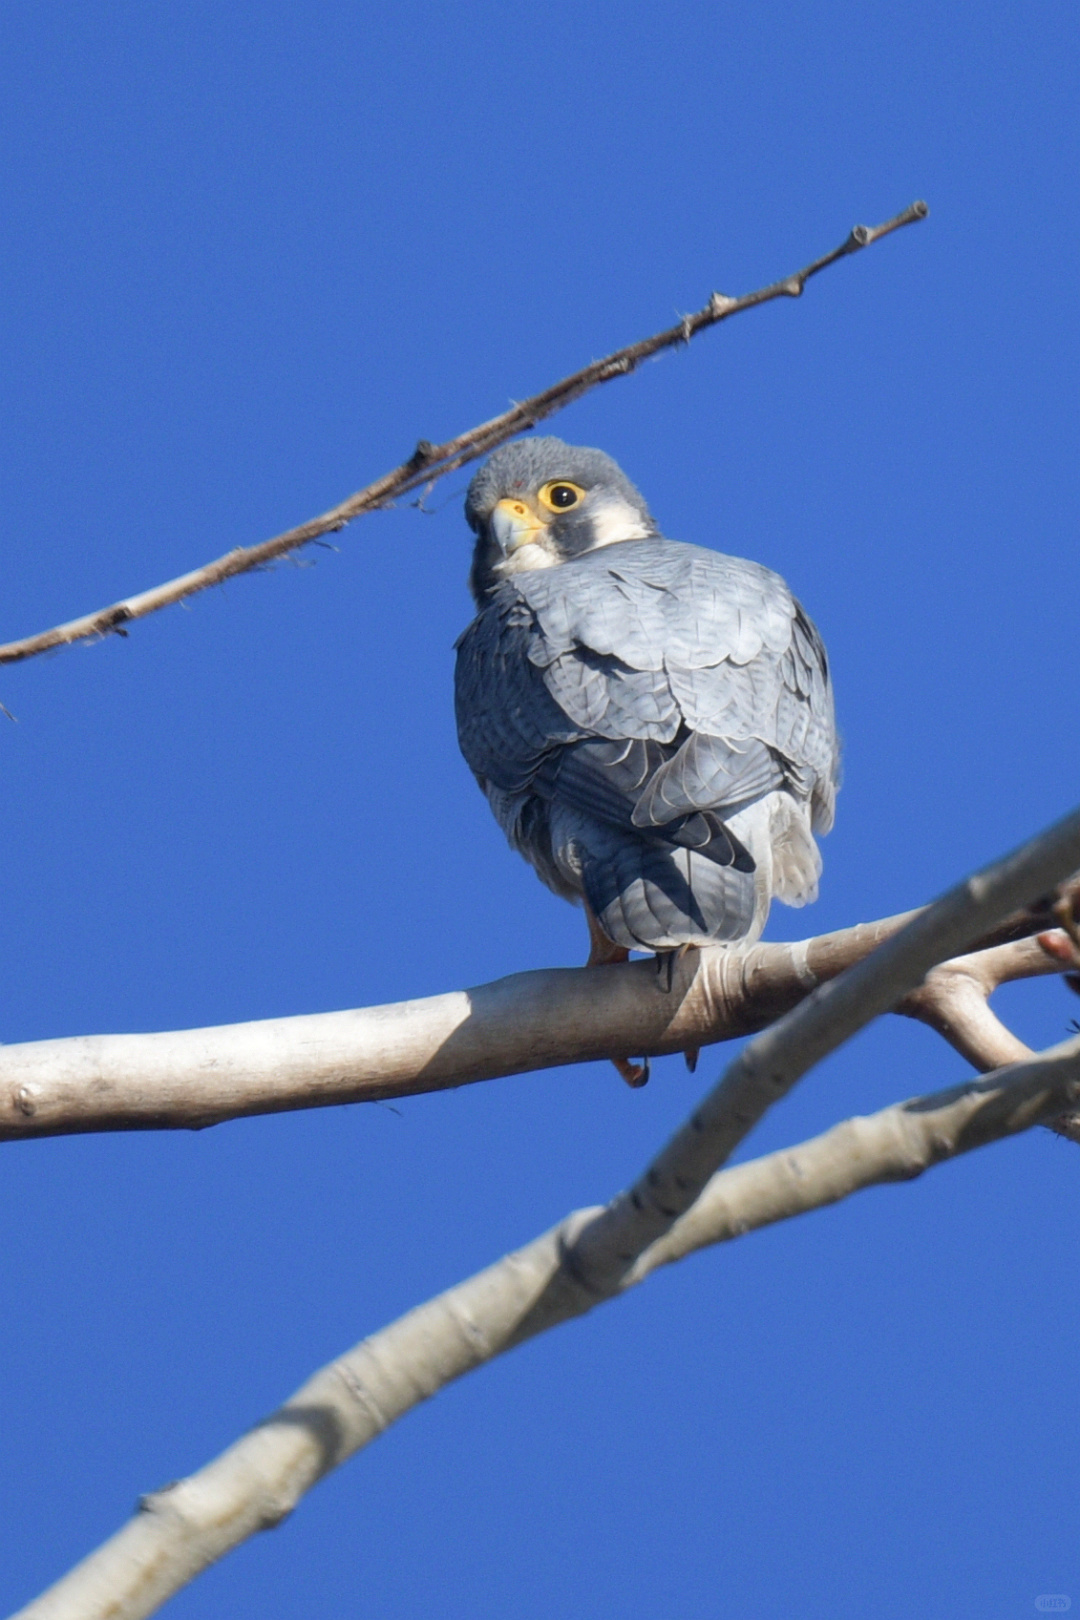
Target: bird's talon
[690,1057]
[636,1075]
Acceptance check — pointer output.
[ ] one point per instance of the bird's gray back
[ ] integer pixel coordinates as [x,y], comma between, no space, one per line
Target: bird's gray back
[645,639]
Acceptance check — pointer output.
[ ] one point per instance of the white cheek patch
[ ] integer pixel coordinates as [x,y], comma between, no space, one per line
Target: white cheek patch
[614,520]
[536,554]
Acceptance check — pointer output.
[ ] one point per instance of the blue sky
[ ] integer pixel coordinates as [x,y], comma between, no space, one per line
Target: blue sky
[251,254]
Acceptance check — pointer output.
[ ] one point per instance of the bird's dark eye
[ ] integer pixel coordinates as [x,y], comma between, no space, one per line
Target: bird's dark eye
[560,495]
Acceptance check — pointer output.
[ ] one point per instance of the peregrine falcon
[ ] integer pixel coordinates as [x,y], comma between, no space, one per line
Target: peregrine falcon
[652,722]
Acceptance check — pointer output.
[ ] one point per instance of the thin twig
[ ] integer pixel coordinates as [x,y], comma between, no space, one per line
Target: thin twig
[186,1526]
[429,462]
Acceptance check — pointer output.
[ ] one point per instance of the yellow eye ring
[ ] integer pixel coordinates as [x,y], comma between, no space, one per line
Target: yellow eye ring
[560,495]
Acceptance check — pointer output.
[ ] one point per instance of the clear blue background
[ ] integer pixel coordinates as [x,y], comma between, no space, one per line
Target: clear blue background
[251,253]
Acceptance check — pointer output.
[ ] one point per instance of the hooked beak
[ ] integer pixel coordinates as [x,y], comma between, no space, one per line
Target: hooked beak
[514,525]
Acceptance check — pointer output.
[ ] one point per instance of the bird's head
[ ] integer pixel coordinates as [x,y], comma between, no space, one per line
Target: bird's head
[537,503]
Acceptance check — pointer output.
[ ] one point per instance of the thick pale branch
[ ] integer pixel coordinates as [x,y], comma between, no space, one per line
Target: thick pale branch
[431,461]
[183,1528]
[598,1253]
[769,1065]
[896,1144]
[190,1079]
[194,1078]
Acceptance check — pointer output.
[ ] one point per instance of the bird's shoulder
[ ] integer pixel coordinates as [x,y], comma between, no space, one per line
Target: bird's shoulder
[641,639]
[507,718]
[651,602]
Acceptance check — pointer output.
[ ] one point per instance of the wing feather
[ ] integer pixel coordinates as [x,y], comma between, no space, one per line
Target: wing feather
[650,689]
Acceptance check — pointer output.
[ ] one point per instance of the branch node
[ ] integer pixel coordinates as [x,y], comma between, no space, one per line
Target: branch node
[150,1501]
[425,451]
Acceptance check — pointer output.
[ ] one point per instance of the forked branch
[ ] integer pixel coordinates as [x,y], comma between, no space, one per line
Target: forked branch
[954,999]
[183,1528]
[678,1204]
[429,462]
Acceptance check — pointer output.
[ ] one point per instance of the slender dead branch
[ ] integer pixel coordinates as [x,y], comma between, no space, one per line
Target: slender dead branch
[182,1529]
[429,462]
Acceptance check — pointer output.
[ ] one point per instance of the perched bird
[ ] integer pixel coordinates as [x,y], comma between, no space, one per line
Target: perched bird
[652,722]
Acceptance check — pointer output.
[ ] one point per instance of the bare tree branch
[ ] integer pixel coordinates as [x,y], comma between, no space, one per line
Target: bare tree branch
[190,1079]
[774,1061]
[597,1254]
[432,461]
[897,1144]
[194,1078]
[252,1486]
[954,1000]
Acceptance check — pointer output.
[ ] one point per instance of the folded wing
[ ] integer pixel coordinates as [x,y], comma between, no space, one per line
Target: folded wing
[620,710]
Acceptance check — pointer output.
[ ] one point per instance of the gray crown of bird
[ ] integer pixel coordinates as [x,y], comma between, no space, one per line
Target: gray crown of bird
[651,722]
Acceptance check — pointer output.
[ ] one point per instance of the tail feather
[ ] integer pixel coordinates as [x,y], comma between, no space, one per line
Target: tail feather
[648,896]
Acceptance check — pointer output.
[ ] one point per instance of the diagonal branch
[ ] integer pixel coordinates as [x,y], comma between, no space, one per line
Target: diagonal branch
[183,1528]
[897,1144]
[596,1254]
[431,461]
[774,1061]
